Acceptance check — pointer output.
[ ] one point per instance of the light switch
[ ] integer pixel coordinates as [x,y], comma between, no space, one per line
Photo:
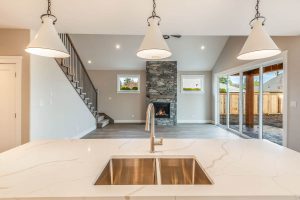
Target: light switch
[293,104]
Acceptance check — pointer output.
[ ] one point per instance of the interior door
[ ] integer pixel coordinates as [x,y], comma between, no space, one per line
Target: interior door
[8,135]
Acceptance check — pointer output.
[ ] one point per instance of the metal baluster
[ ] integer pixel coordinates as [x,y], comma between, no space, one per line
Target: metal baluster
[77,69]
[64,42]
[76,63]
[69,59]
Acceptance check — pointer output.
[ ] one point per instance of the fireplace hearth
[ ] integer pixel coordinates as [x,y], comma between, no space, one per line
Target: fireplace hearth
[162,110]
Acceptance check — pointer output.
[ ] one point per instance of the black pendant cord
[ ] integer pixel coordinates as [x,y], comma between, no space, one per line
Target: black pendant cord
[49,13]
[258,16]
[154,15]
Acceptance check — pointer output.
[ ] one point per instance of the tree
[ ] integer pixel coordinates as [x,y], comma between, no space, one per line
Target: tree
[223,80]
[127,81]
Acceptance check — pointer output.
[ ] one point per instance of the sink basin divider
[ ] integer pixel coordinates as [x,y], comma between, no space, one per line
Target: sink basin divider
[193,172]
[111,172]
[158,174]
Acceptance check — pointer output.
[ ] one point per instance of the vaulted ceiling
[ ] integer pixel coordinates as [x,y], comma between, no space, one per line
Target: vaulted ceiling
[118,52]
[128,17]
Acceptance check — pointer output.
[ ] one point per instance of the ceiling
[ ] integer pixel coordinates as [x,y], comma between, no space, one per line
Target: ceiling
[128,17]
[118,52]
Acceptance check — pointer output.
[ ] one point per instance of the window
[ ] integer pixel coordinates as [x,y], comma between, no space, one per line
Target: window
[128,83]
[192,84]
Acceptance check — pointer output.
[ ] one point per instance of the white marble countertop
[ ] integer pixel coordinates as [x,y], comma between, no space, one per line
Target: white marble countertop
[240,169]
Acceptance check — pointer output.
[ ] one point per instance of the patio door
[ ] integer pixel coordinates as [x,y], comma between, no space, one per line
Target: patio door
[251,109]
[273,98]
[251,102]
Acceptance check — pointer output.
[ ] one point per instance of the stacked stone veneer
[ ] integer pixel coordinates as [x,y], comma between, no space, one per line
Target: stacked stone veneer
[161,86]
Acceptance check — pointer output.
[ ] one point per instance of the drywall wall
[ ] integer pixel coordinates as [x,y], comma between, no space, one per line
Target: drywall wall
[131,108]
[227,60]
[123,108]
[194,108]
[56,110]
[101,49]
[12,43]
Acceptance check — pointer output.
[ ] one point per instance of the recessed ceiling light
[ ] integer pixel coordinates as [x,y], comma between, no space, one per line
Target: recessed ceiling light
[118,46]
[202,47]
[89,62]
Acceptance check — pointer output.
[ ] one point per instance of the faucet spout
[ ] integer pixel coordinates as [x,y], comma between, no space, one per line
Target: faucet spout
[150,126]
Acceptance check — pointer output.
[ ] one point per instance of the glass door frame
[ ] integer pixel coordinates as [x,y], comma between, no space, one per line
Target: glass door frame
[282,58]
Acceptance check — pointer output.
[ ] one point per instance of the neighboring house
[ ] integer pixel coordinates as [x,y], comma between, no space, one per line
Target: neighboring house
[274,85]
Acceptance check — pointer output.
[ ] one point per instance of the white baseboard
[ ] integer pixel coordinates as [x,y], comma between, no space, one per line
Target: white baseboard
[85,132]
[129,121]
[194,121]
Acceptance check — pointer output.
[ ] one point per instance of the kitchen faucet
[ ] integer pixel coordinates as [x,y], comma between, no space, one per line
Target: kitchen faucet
[150,119]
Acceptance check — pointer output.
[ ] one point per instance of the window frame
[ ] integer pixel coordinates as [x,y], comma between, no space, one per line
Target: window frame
[119,76]
[194,76]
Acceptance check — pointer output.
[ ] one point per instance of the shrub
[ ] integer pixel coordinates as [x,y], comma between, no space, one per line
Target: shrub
[223,90]
[191,89]
[134,88]
[125,88]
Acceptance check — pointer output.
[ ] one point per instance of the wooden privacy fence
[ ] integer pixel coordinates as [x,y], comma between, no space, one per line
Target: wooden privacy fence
[272,103]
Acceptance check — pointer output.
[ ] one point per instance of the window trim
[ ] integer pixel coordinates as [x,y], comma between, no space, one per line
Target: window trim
[128,91]
[202,80]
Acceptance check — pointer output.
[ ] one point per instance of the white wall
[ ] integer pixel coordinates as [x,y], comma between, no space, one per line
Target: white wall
[122,107]
[56,110]
[131,108]
[194,108]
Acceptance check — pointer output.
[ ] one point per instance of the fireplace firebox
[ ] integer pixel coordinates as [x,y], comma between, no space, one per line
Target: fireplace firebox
[162,110]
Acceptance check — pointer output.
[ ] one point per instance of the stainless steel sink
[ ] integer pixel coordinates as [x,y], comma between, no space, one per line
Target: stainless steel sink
[129,171]
[182,171]
[153,171]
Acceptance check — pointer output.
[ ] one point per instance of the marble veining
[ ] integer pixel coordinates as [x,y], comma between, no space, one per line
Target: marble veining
[243,169]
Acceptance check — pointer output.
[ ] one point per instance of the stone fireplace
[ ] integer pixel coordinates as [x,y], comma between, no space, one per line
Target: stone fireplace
[161,90]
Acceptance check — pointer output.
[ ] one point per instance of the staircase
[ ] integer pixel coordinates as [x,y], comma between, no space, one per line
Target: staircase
[75,71]
[104,120]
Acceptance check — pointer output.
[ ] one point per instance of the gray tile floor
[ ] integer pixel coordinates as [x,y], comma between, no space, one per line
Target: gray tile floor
[116,131]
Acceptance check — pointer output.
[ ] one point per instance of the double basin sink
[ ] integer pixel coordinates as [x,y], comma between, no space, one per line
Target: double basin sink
[153,171]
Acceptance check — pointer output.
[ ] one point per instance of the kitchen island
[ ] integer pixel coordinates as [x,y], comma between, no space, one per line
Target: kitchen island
[239,169]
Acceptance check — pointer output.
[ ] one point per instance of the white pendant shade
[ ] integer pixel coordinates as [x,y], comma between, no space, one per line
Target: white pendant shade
[258,44]
[47,42]
[154,46]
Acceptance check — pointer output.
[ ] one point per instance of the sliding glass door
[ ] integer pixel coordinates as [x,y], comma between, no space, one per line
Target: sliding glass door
[251,102]
[251,90]
[234,90]
[273,103]
[223,81]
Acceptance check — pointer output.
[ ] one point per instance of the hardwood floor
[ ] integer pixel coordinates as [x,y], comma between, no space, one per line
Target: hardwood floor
[115,131]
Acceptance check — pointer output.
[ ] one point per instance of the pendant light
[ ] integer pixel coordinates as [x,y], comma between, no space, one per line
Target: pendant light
[47,42]
[259,44]
[154,46]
